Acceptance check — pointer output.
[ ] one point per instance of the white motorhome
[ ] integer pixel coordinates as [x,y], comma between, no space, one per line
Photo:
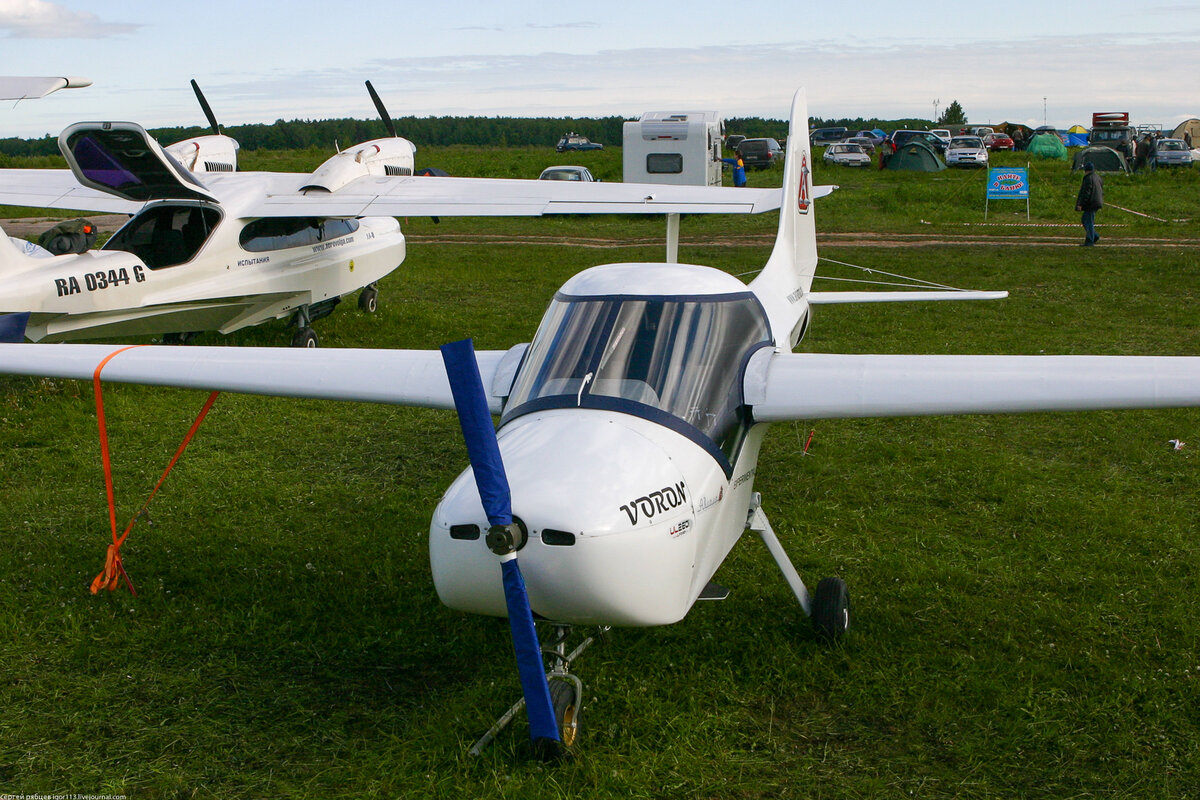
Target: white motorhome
[674,147]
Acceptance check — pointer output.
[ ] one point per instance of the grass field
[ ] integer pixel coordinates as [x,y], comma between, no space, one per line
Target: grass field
[1023,586]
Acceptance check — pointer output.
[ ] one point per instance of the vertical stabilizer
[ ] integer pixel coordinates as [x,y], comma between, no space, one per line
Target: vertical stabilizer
[783,284]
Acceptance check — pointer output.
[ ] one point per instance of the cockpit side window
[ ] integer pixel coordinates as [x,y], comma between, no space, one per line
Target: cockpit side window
[166,236]
[280,233]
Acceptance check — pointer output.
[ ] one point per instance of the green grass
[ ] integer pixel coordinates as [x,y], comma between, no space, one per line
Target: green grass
[1022,585]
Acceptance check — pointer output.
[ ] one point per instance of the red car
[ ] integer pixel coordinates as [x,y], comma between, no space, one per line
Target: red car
[998,141]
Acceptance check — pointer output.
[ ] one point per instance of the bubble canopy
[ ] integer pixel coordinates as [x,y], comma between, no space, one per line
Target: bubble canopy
[677,360]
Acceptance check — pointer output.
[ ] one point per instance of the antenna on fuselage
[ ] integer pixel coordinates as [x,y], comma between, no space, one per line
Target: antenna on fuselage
[208,112]
[383,113]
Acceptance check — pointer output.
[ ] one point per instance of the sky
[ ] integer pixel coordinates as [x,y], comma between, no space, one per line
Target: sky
[1030,62]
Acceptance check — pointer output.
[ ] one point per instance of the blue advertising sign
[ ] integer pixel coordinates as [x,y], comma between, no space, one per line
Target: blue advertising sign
[1008,183]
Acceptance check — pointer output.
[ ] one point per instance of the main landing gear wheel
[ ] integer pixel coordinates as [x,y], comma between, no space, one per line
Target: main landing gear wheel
[368,299]
[305,337]
[564,697]
[831,608]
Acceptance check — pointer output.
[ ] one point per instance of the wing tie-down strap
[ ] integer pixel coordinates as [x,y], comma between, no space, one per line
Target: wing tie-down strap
[114,570]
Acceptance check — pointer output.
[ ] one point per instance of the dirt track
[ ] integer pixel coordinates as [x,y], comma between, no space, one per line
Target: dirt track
[1051,235]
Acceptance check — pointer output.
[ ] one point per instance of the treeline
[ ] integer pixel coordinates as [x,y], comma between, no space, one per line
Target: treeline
[442,131]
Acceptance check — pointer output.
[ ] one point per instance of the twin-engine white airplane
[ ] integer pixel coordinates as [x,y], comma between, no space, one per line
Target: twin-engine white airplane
[209,248]
[623,470]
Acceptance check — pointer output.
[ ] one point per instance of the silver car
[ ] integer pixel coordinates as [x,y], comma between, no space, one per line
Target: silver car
[966,151]
[847,155]
[1172,153]
[567,174]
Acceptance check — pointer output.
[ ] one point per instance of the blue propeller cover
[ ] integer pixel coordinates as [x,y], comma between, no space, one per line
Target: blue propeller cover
[534,686]
[471,403]
[478,431]
[12,327]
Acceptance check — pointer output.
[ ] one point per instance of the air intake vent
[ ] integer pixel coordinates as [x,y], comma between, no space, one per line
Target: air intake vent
[218,166]
[560,538]
[389,169]
[464,531]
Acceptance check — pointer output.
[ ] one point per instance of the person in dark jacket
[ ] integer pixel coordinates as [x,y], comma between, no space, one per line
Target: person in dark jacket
[1090,200]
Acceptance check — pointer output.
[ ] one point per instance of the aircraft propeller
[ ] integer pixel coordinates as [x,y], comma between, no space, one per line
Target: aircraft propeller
[504,538]
[208,112]
[387,120]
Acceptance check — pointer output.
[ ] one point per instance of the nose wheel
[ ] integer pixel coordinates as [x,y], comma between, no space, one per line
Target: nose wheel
[566,695]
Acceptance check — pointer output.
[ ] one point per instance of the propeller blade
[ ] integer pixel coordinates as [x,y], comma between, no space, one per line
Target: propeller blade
[484,451]
[12,327]
[387,120]
[208,112]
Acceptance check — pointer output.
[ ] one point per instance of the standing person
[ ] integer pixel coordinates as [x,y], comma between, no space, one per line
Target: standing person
[739,170]
[1090,200]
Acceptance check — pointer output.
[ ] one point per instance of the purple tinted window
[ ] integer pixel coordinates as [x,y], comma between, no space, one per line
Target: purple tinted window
[99,165]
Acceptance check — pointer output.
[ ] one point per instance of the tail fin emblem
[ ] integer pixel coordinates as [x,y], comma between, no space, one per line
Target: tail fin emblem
[803,201]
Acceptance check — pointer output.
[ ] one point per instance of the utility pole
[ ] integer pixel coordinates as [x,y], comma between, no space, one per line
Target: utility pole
[935,108]
[1044,116]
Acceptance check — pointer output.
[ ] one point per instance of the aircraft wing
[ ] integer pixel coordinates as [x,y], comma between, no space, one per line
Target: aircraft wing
[424,196]
[22,88]
[397,377]
[57,188]
[788,386]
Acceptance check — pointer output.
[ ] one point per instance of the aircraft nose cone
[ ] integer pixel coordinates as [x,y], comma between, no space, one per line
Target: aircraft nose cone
[607,512]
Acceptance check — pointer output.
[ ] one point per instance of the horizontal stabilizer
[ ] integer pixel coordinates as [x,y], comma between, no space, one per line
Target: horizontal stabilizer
[830,386]
[826,298]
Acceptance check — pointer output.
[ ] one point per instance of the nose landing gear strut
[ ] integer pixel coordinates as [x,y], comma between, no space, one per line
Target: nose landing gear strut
[566,690]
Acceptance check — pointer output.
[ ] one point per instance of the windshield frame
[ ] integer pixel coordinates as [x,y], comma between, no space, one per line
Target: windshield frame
[656,371]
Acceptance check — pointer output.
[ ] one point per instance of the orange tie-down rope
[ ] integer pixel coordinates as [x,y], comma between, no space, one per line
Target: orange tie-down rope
[114,570]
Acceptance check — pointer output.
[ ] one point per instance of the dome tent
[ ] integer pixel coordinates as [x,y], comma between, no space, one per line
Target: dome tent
[1104,159]
[916,155]
[1048,145]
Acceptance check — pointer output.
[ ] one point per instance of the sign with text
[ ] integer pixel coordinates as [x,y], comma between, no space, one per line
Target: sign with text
[1006,183]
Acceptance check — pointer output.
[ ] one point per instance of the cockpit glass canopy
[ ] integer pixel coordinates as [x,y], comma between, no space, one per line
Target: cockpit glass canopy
[648,356]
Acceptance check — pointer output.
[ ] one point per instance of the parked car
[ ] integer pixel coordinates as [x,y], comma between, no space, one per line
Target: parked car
[567,173]
[826,136]
[943,134]
[573,141]
[875,138]
[1172,153]
[900,138]
[865,142]
[966,151]
[847,154]
[998,141]
[733,140]
[760,153]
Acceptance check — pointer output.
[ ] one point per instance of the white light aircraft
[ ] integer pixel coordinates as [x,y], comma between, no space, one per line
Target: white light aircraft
[209,248]
[630,430]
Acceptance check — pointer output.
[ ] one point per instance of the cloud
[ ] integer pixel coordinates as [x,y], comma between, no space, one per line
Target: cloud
[38,19]
[560,26]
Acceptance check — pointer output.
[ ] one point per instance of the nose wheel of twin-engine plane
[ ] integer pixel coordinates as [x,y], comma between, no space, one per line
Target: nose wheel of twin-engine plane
[368,299]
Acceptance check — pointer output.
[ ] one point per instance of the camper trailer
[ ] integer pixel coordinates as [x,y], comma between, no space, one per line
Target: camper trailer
[674,147]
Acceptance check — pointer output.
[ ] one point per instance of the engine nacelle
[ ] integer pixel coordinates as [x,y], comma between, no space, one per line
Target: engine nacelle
[378,157]
[206,153]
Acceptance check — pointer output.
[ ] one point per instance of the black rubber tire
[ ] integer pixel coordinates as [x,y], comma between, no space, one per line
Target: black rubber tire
[831,609]
[368,300]
[305,337]
[566,711]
